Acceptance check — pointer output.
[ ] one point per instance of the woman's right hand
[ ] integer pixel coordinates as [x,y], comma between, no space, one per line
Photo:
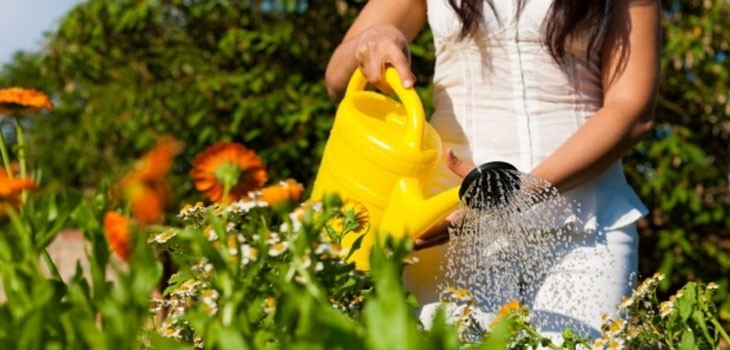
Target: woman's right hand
[377,39]
[379,47]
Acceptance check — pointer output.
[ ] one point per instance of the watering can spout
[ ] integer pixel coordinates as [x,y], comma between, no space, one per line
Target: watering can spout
[409,213]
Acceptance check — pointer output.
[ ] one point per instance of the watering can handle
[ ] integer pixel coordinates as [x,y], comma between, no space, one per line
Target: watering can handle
[415,116]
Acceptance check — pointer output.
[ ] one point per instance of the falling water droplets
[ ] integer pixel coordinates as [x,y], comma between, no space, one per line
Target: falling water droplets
[513,228]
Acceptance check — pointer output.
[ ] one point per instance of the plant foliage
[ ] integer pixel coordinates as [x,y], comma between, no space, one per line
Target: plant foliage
[122,73]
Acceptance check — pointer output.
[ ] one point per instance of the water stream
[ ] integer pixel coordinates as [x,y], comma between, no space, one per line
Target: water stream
[516,228]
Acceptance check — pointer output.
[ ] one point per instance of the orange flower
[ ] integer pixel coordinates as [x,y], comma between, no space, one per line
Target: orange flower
[157,162]
[117,232]
[11,188]
[19,97]
[147,201]
[227,166]
[145,187]
[507,309]
[284,192]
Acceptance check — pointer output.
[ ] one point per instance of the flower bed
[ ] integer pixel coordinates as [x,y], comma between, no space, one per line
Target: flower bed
[254,267]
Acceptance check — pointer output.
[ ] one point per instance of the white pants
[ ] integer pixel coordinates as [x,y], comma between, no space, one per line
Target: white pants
[592,276]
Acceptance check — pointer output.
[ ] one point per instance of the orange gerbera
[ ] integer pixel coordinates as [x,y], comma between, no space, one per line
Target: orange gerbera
[11,188]
[25,98]
[157,162]
[507,309]
[227,167]
[147,201]
[145,187]
[117,232]
[283,193]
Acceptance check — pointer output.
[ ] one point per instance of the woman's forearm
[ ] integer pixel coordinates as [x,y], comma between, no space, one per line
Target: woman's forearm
[630,72]
[603,140]
[340,69]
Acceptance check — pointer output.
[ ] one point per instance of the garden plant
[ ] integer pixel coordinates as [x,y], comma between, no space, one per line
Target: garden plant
[255,266]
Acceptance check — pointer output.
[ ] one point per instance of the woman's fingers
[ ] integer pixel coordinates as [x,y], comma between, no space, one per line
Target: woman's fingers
[455,164]
[422,243]
[402,65]
[382,47]
[439,234]
[403,68]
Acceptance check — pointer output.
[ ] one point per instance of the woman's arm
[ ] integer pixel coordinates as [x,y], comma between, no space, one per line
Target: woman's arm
[378,37]
[630,70]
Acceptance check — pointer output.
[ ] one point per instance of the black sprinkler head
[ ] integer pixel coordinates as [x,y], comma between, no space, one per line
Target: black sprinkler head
[489,185]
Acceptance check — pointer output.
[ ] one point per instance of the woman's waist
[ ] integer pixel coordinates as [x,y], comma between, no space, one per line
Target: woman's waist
[523,140]
[534,100]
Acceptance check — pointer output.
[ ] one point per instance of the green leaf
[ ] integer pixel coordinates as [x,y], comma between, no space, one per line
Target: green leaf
[687,302]
[230,338]
[355,245]
[389,321]
[688,341]
[502,334]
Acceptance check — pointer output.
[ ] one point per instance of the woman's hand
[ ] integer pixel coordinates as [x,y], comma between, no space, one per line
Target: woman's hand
[456,165]
[439,234]
[382,46]
[377,39]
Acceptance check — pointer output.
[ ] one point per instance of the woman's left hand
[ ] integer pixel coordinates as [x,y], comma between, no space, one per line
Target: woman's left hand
[439,234]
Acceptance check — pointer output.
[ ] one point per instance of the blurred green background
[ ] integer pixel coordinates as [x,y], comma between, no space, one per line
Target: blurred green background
[123,73]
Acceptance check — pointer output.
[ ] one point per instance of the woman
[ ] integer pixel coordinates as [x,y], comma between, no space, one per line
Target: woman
[562,90]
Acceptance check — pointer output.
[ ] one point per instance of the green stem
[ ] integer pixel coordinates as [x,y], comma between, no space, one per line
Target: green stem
[534,334]
[21,147]
[5,155]
[21,230]
[720,330]
[227,174]
[20,136]
[226,191]
[51,265]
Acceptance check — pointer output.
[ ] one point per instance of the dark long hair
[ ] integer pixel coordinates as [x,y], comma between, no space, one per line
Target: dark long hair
[566,18]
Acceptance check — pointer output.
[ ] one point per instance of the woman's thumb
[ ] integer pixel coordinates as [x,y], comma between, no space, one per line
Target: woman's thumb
[455,164]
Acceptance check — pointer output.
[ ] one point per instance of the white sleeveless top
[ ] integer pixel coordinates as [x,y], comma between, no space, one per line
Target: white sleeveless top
[499,95]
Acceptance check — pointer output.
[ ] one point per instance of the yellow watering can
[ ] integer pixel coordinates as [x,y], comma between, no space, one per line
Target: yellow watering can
[382,153]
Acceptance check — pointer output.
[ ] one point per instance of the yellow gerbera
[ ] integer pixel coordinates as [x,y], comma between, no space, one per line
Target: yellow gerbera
[354,215]
[227,167]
